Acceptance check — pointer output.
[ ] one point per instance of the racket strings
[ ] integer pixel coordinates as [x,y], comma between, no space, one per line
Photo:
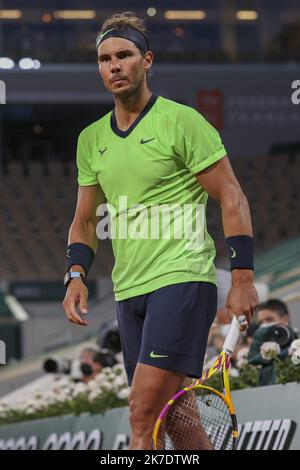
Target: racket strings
[198,420]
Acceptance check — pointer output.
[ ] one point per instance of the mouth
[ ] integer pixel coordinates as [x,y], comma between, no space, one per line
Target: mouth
[118,80]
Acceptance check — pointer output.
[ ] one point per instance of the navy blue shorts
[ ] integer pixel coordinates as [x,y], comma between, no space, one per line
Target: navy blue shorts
[168,328]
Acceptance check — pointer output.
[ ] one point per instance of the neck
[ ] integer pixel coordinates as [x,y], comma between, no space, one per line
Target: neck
[128,108]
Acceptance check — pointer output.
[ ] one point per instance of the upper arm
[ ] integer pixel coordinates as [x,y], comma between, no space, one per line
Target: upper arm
[219,180]
[90,194]
[88,199]
[195,140]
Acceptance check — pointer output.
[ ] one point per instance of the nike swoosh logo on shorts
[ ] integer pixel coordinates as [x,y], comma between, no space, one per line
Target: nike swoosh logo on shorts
[153,355]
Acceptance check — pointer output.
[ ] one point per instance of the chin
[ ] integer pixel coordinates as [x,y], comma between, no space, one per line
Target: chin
[123,91]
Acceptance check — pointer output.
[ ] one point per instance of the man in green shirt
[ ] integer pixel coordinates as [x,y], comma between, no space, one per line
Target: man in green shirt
[155,162]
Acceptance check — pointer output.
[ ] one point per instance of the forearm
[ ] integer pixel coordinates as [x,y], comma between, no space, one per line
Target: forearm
[83,231]
[236,216]
[236,220]
[221,184]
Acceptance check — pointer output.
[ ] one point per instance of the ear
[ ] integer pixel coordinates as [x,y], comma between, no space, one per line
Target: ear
[148,60]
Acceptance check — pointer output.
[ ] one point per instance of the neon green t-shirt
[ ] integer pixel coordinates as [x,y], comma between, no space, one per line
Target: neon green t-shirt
[156,205]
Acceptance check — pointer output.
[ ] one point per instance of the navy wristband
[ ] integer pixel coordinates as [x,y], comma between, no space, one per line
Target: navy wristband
[240,252]
[80,254]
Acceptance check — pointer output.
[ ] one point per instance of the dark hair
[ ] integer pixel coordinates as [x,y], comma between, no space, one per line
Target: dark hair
[105,358]
[123,20]
[276,306]
[127,18]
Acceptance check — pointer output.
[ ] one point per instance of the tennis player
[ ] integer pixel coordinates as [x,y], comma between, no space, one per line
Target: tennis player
[152,152]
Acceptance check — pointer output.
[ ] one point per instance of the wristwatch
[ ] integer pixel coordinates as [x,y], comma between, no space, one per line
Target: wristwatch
[72,275]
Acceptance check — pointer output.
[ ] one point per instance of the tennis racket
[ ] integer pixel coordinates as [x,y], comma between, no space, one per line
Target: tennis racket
[199,416]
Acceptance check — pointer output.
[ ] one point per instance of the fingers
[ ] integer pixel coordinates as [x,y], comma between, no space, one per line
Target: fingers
[73,315]
[83,303]
[243,322]
[243,319]
[229,314]
[70,303]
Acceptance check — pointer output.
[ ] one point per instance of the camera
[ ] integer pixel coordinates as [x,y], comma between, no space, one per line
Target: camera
[108,337]
[282,334]
[104,358]
[57,365]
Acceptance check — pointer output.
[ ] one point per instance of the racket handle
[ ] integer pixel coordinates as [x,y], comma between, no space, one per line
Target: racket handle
[232,336]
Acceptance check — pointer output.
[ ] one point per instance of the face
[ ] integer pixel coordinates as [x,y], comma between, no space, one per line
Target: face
[122,66]
[97,367]
[86,356]
[266,316]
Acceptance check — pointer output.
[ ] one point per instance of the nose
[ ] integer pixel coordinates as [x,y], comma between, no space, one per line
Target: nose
[115,65]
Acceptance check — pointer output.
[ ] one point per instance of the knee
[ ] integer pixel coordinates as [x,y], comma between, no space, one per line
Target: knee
[142,412]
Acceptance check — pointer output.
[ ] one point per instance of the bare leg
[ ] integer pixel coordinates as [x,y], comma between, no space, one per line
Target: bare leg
[184,425]
[151,389]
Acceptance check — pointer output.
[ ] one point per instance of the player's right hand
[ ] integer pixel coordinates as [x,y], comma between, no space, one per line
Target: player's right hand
[76,295]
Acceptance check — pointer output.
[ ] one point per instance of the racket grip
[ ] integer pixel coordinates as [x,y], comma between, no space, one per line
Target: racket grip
[232,337]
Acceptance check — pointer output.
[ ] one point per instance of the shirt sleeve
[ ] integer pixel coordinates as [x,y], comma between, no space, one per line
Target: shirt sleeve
[86,176]
[196,141]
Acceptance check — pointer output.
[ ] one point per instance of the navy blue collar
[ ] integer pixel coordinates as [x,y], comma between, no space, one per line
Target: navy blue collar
[113,121]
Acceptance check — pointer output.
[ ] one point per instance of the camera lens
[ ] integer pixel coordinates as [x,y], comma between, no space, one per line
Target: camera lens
[86,369]
[56,365]
[281,334]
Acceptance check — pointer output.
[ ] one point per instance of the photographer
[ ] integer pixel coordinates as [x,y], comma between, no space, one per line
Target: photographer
[93,365]
[273,320]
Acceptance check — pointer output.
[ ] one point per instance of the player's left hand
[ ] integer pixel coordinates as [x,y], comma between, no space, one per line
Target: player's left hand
[242,298]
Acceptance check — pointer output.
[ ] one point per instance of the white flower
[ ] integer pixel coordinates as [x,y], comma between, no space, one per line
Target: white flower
[64,382]
[30,402]
[123,394]
[94,395]
[79,387]
[111,377]
[4,409]
[29,410]
[57,390]
[118,368]
[296,357]
[93,385]
[242,357]
[269,349]
[51,397]
[105,385]
[294,346]
[99,379]
[119,357]
[20,406]
[119,382]
[242,353]
[241,363]
[233,372]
